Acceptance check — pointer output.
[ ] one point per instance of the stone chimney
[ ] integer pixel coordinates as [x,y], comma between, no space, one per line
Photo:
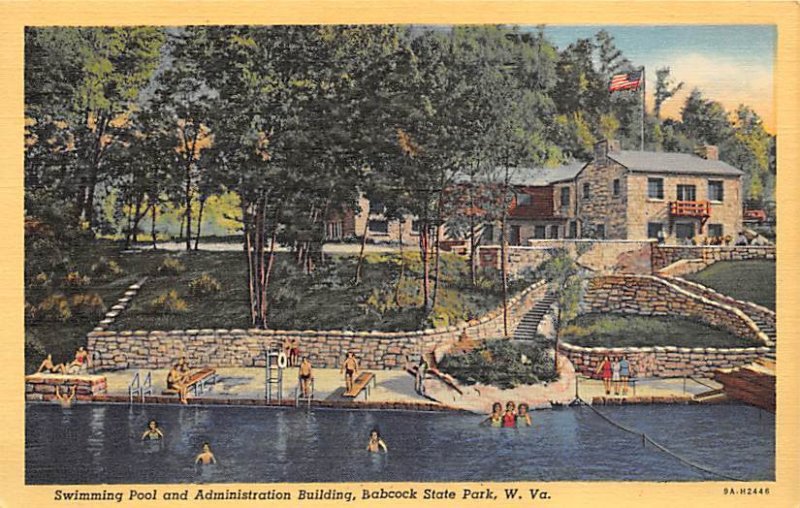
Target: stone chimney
[603,148]
[710,152]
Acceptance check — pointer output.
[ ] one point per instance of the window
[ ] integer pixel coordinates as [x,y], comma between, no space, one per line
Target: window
[654,229]
[553,232]
[379,226]
[616,187]
[415,225]
[333,230]
[684,230]
[715,230]
[564,196]
[586,191]
[655,188]
[523,199]
[715,190]
[516,238]
[600,231]
[539,232]
[376,206]
[573,229]
[488,233]
[687,193]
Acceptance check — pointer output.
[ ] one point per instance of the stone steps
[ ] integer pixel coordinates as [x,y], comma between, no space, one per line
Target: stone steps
[526,330]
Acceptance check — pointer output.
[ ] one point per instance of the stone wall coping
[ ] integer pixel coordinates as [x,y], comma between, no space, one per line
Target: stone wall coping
[661,349]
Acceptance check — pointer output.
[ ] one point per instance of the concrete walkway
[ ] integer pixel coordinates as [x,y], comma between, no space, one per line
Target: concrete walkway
[248,383]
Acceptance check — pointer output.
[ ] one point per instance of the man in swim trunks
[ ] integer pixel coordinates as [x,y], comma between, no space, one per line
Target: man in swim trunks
[176,380]
[306,375]
[376,444]
[66,400]
[350,368]
[153,433]
[51,368]
[205,457]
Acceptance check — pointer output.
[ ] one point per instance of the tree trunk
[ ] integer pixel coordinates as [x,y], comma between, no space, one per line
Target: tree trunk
[129,228]
[137,217]
[504,273]
[199,222]
[361,252]
[558,337]
[270,263]
[261,271]
[248,248]
[188,206]
[423,248]
[402,269]
[436,252]
[153,224]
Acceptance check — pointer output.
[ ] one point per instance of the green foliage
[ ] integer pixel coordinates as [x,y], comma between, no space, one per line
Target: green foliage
[501,363]
[34,354]
[106,269]
[168,302]
[75,280]
[752,280]
[204,285]
[54,308]
[170,266]
[41,280]
[87,306]
[609,330]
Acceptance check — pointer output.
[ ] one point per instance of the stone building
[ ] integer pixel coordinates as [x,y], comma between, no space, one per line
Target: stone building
[675,196]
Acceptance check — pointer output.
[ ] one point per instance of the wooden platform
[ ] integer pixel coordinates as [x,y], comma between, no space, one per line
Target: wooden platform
[753,383]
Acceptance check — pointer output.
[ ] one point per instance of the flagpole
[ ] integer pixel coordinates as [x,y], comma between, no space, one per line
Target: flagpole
[641,145]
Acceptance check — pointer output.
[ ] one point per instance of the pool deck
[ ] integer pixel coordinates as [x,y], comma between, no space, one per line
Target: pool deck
[394,389]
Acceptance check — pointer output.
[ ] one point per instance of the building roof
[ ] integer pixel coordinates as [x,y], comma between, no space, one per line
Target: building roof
[672,162]
[534,177]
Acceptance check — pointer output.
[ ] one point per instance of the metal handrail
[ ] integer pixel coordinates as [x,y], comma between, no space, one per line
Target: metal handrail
[134,388]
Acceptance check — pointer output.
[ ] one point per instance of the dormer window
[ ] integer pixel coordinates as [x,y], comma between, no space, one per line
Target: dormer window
[524,199]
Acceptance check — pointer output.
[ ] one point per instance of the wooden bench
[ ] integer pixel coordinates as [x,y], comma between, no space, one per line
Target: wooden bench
[361,383]
[197,382]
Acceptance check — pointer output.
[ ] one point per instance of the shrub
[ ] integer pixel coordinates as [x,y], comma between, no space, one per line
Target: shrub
[34,353]
[106,269]
[170,266]
[30,312]
[76,280]
[89,305]
[54,308]
[41,280]
[501,363]
[168,302]
[204,285]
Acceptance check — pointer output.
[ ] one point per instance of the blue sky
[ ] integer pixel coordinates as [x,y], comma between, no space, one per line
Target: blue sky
[729,63]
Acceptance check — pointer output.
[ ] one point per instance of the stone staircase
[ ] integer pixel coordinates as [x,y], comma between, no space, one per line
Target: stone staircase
[526,330]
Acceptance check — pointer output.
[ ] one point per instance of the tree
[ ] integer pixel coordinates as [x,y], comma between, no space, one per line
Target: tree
[704,120]
[665,89]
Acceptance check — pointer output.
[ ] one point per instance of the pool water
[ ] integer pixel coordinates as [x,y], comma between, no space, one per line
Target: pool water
[89,444]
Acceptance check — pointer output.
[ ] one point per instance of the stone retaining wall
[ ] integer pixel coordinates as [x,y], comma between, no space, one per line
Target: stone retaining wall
[43,386]
[652,296]
[665,255]
[663,361]
[245,348]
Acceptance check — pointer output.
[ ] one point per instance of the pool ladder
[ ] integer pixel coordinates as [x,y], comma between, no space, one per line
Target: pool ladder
[140,388]
[298,395]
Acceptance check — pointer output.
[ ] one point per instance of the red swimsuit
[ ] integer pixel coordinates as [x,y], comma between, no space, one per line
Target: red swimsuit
[509,420]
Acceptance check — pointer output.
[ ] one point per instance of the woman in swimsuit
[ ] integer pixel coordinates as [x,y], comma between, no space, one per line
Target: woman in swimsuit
[376,444]
[605,367]
[153,433]
[496,418]
[510,417]
[523,417]
[615,377]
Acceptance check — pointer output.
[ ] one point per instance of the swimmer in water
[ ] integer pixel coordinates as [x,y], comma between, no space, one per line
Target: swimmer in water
[376,444]
[65,400]
[496,418]
[153,433]
[523,416]
[206,457]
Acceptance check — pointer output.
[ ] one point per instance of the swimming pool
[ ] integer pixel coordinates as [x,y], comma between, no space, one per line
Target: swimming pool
[90,444]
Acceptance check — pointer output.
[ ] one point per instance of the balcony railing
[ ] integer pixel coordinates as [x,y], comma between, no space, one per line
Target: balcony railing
[690,209]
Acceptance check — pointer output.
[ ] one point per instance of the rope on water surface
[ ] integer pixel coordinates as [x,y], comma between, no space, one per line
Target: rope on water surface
[661,447]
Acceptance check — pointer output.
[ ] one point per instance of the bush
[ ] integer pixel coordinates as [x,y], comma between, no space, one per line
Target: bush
[41,280]
[204,285]
[501,363]
[30,312]
[168,302]
[89,305]
[34,354]
[76,280]
[106,269]
[170,266]
[54,308]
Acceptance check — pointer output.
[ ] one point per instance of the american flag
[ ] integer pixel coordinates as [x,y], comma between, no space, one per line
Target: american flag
[625,81]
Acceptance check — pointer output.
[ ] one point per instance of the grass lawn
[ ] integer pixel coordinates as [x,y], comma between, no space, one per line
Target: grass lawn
[326,299]
[752,281]
[610,330]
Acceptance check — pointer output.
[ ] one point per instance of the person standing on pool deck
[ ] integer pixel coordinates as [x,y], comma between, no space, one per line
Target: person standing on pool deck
[153,433]
[206,457]
[305,374]
[376,444]
[350,368]
[615,375]
[419,379]
[624,374]
[605,367]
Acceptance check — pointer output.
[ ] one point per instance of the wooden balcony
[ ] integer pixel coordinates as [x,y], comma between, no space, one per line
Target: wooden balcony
[699,209]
